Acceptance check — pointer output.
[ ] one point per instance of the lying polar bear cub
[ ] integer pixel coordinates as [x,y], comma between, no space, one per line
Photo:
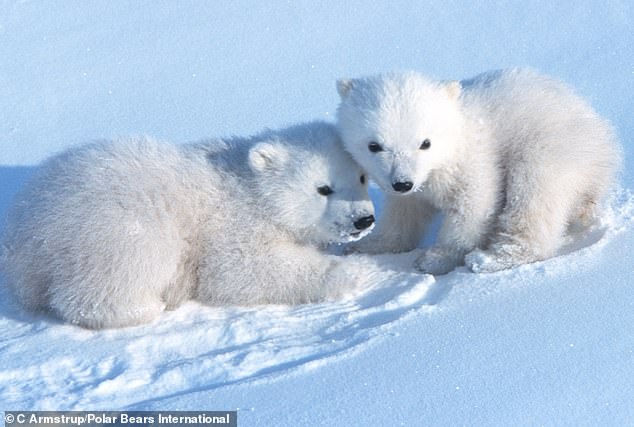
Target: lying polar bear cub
[511,158]
[112,233]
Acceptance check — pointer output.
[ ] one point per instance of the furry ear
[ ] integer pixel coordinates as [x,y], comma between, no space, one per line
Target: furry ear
[453,89]
[344,86]
[266,156]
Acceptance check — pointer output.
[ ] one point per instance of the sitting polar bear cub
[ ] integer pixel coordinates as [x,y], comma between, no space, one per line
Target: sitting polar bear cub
[110,234]
[511,158]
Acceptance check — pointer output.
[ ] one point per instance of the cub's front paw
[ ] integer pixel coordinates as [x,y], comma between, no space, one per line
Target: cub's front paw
[437,261]
[500,256]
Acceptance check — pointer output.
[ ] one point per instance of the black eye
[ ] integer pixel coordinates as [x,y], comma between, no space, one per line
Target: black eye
[425,144]
[374,147]
[324,190]
[362,179]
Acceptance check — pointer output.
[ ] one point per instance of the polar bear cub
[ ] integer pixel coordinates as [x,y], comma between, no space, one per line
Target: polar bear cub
[510,158]
[112,233]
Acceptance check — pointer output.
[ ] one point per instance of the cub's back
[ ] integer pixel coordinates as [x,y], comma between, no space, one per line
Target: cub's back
[534,117]
[82,204]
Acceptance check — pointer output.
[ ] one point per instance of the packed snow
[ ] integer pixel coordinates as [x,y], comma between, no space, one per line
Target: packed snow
[550,343]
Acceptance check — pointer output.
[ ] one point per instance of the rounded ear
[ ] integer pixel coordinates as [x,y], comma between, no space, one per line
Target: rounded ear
[267,156]
[453,89]
[344,86]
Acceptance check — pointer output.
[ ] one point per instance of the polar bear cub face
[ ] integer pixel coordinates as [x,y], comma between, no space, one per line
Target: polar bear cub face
[311,186]
[399,127]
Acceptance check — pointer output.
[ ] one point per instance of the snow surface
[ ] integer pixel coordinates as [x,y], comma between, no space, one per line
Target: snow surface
[544,344]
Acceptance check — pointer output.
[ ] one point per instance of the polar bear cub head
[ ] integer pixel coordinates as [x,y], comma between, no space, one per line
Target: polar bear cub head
[310,185]
[399,127]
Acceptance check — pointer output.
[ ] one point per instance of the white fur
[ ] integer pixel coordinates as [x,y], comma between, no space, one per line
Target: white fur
[112,233]
[515,157]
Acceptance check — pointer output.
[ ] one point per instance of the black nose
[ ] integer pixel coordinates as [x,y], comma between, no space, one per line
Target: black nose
[363,223]
[403,187]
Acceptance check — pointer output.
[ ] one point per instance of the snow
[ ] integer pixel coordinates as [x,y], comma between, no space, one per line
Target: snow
[544,344]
